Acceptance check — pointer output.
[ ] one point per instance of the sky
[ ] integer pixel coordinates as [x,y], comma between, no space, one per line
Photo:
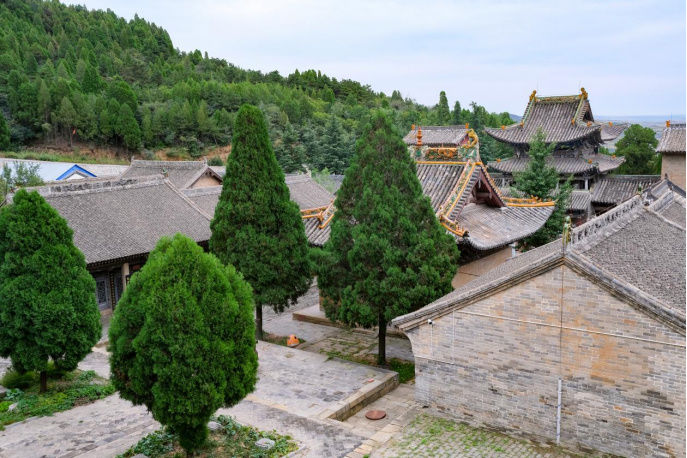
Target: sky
[628,55]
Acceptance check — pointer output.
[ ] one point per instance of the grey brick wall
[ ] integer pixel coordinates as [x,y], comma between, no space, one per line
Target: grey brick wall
[497,362]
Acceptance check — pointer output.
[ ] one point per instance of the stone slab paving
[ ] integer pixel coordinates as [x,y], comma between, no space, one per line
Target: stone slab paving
[317,438]
[103,428]
[293,388]
[429,435]
[307,383]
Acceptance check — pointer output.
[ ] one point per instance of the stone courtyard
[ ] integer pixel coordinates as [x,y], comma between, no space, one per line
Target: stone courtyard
[301,392]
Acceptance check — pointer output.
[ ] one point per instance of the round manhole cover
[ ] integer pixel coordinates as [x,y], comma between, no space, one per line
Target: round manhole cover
[375,414]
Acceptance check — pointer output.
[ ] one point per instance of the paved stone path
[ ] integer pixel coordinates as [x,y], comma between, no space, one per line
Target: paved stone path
[428,435]
[294,388]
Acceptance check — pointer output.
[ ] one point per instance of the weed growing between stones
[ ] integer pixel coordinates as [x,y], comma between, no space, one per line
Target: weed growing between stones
[229,440]
[65,390]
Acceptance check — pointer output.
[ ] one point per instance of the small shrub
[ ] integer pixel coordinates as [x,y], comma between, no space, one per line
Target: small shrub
[13,379]
[216,160]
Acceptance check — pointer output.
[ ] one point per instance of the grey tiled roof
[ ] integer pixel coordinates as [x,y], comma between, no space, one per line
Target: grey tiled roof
[672,140]
[554,116]
[206,198]
[564,165]
[182,174]
[438,180]
[580,200]
[124,217]
[487,226]
[613,189]
[611,131]
[493,227]
[636,250]
[307,193]
[437,135]
[304,191]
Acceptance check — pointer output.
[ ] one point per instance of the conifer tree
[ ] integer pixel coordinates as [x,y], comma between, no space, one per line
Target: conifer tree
[542,180]
[443,112]
[128,128]
[457,114]
[4,133]
[387,254]
[47,297]
[290,154]
[182,338]
[256,227]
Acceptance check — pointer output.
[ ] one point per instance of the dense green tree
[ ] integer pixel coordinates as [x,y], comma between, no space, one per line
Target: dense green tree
[443,112]
[182,338]
[47,297]
[638,146]
[67,117]
[456,115]
[19,175]
[290,153]
[541,180]
[4,133]
[387,254]
[128,129]
[257,228]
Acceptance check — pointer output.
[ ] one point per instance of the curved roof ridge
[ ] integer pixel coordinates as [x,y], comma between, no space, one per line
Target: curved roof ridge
[60,188]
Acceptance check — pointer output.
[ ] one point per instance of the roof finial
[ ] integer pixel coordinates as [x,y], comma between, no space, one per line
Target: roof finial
[667,123]
[419,135]
[534,93]
[583,93]
[467,125]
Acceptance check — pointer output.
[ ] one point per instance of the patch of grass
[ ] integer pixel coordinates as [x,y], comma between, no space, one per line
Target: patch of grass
[405,369]
[65,390]
[232,440]
[279,340]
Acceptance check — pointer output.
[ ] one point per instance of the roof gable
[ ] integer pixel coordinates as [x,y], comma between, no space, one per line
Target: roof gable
[182,174]
[633,251]
[75,170]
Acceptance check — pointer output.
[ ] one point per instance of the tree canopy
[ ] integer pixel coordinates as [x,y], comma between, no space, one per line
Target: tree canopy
[48,309]
[186,100]
[542,180]
[182,338]
[387,254]
[256,227]
[638,146]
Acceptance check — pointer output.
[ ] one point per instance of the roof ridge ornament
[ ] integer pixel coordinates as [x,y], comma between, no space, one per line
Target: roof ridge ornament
[583,93]
[533,95]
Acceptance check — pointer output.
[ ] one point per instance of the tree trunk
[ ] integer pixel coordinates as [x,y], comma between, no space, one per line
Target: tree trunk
[258,322]
[44,382]
[381,354]
[70,137]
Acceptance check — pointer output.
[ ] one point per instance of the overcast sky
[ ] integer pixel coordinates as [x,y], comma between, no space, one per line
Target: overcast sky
[629,55]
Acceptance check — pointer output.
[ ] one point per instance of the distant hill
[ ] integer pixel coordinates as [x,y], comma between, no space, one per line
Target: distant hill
[69,74]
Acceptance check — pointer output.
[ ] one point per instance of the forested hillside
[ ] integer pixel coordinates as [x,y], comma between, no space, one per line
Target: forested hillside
[68,75]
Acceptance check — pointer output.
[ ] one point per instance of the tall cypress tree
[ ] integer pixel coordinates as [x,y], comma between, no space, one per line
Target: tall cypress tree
[256,227]
[47,297]
[387,254]
[443,112]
